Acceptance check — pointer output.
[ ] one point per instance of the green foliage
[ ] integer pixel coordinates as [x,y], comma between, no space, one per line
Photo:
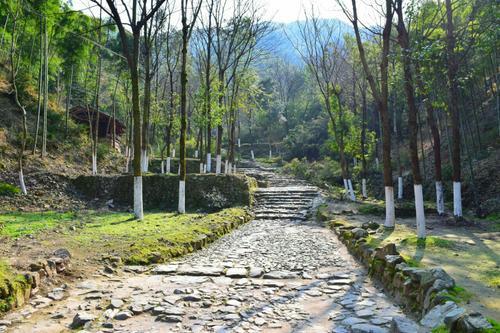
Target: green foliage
[321,173]
[8,189]
[430,242]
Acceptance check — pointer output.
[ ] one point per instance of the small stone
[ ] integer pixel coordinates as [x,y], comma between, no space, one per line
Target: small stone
[255,272]
[191,298]
[313,293]
[136,308]
[233,302]
[56,315]
[403,325]
[169,319]
[359,233]
[107,324]
[349,321]
[364,313]
[5,322]
[367,328]
[236,272]
[280,275]
[116,303]
[259,321]
[81,318]
[165,269]
[123,315]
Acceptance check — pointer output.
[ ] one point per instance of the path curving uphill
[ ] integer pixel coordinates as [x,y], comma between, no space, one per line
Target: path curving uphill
[282,272]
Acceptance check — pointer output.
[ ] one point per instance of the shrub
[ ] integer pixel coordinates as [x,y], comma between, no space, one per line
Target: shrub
[8,189]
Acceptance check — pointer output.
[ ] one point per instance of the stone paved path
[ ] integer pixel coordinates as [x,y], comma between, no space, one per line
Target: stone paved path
[281,272]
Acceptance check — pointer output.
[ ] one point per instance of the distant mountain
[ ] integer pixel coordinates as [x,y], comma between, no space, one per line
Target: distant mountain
[278,41]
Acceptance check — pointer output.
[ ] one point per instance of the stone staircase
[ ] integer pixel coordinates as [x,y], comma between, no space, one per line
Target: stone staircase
[285,198]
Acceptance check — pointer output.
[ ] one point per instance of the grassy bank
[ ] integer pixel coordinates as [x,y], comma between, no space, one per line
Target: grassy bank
[159,237]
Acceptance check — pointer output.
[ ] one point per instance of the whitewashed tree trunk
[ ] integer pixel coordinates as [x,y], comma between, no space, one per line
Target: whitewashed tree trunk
[196,153]
[239,143]
[457,199]
[419,210]
[234,168]
[253,156]
[390,215]
[377,162]
[162,166]
[204,168]
[218,164]
[144,160]
[168,165]
[182,197]
[138,208]
[439,198]
[209,162]
[270,154]
[201,167]
[351,190]
[400,188]
[22,185]
[363,188]
[127,162]
[179,169]
[225,167]
[346,186]
[173,153]
[94,164]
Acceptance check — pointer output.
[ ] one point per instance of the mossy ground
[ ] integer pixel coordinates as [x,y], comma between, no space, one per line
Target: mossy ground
[159,237]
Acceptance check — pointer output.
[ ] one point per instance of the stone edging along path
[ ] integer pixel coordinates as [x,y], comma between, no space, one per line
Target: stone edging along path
[422,291]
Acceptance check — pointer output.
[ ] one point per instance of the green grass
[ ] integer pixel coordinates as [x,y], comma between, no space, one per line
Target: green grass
[440,329]
[429,242]
[20,224]
[159,237]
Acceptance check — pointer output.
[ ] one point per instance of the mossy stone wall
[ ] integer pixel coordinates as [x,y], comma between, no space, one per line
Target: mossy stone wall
[207,192]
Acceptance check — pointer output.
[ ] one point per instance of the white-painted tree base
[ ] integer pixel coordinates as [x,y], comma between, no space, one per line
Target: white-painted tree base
[419,210]
[457,199]
[173,153]
[377,162]
[270,154]
[196,154]
[346,187]
[218,164]
[179,169]
[363,188]
[138,208]
[390,215]
[209,162]
[201,167]
[162,166]
[182,197]
[253,155]
[22,185]
[144,160]
[94,164]
[168,165]
[400,188]
[439,198]
[234,168]
[239,143]
[225,167]
[204,168]
[351,190]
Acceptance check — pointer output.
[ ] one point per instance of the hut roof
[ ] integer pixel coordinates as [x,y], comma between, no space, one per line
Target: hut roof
[82,114]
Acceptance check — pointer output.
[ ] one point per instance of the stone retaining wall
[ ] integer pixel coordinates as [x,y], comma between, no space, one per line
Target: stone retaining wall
[16,292]
[207,192]
[424,292]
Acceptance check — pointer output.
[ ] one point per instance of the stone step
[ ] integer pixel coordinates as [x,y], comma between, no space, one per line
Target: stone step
[283,216]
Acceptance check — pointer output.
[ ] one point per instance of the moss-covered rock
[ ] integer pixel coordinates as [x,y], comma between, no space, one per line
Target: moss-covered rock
[14,289]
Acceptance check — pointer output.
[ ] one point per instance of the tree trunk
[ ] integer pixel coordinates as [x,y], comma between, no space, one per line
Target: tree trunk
[452,69]
[404,42]
[182,146]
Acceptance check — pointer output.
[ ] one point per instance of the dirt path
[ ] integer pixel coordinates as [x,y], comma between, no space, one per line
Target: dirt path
[279,273]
